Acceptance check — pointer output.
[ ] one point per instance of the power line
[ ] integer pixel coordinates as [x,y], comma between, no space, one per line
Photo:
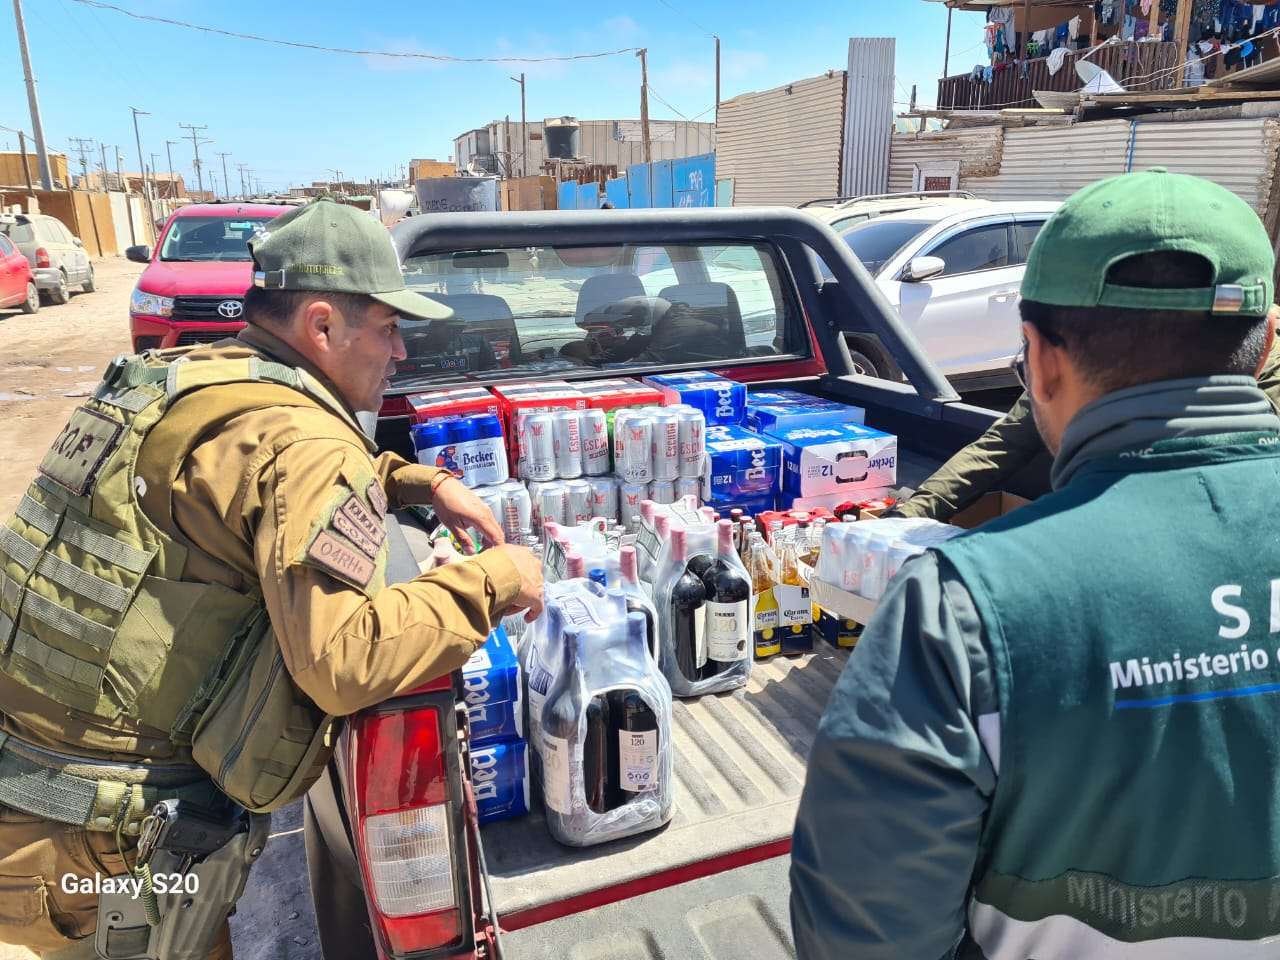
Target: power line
[657,96]
[681,13]
[97,4]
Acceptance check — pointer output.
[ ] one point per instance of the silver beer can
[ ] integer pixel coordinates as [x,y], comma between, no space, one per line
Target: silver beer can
[492,498]
[662,491]
[604,497]
[693,440]
[550,502]
[635,462]
[517,510]
[689,487]
[579,499]
[666,445]
[567,443]
[630,496]
[537,447]
[595,443]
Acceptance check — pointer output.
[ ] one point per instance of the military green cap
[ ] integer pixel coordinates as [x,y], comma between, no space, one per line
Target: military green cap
[329,247]
[1151,212]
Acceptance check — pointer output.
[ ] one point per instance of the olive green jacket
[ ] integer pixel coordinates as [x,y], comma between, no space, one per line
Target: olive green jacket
[1010,456]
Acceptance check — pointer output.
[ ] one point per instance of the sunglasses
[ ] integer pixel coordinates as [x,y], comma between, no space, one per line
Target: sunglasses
[1019,366]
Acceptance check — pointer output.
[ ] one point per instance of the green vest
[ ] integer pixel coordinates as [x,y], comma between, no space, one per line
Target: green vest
[104,644]
[1135,645]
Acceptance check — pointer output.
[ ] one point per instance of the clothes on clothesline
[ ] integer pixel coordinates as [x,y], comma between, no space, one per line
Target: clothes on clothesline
[1056,59]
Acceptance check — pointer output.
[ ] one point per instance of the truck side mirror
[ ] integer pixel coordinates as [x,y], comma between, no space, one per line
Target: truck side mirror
[139,254]
[923,268]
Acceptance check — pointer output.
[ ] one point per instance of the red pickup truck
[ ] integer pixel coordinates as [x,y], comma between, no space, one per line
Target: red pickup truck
[193,288]
[713,883]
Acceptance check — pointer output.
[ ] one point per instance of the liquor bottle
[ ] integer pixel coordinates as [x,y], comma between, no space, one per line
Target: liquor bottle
[598,778]
[735,515]
[765,635]
[630,582]
[728,606]
[810,551]
[795,612]
[634,741]
[559,745]
[748,529]
[688,599]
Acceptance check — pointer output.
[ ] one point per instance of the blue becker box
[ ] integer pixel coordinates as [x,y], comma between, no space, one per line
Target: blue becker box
[492,681]
[837,458]
[774,410]
[740,464]
[500,778]
[720,400]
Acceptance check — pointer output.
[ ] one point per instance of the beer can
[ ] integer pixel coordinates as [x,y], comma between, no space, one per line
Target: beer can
[662,491]
[492,498]
[689,487]
[537,447]
[517,510]
[430,441]
[693,440]
[579,499]
[550,502]
[567,443]
[604,497]
[666,445]
[635,462]
[630,496]
[595,443]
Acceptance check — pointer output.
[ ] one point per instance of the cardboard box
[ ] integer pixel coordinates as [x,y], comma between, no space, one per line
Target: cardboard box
[491,678]
[519,399]
[453,402]
[837,459]
[721,401]
[988,507]
[774,410]
[610,395]
[500,778]
[740,465]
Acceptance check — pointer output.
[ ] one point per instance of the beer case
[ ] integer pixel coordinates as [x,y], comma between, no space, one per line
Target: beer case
[452,402]
[740,465]
[836,459]
[619,392]
[520,399]
[491,679]
[774,410]
[500,779]
[721,401]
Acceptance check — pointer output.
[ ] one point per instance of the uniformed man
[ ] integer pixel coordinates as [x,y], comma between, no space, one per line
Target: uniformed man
[198,502]
[1058,735]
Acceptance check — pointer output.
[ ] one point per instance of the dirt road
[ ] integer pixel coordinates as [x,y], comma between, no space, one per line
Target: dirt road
[51,360]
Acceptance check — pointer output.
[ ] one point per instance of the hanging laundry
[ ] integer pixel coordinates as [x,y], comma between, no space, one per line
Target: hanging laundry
[987,74]
[1073,27]
[1060,36]
[1271,18]
[1106,13]
[1143,30]
[1056,59]
[1026,69]
[1003,16]
[1146,8]
[1130,25]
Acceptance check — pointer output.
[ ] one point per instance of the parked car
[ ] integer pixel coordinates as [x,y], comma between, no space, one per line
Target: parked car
[17,285]
[193,288]
[57,257]
[843,212]
[953,272]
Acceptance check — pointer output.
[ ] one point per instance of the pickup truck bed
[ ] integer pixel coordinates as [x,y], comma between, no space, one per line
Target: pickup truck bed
[739,765]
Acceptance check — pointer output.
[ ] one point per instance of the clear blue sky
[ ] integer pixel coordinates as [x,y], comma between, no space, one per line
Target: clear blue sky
[293,115]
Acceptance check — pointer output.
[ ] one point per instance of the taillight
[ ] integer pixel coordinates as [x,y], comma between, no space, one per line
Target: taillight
[407,825]
[42,257]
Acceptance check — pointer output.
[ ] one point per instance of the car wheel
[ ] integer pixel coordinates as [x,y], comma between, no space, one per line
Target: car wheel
[88,285]
[32,303]
[862,364]
[61,293]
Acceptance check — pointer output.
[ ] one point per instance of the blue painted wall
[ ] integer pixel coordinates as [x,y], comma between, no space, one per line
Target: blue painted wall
[567,196]
[588,196]
[618,193]
[693,181]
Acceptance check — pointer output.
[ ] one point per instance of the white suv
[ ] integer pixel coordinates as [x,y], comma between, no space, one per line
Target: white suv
[953,272]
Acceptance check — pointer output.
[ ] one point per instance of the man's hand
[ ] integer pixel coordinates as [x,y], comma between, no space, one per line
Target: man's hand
[530,569]
[458,508]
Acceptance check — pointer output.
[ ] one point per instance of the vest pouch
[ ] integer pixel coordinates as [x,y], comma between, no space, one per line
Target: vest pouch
[262,740]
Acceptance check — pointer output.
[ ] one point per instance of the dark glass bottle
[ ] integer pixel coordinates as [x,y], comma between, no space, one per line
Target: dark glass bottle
[728,607]
[688,599]
[634,744]
[598,772]
[630,581]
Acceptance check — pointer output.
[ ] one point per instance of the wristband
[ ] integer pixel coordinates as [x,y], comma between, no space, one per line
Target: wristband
[441,478]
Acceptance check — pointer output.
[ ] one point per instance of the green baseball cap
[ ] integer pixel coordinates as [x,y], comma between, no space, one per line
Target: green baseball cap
[329,247]
[1151,212]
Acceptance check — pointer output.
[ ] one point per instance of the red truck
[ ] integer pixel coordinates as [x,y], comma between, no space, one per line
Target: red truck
[193,288]
[398,865]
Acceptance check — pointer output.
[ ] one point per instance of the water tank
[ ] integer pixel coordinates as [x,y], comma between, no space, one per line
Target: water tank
[563,138]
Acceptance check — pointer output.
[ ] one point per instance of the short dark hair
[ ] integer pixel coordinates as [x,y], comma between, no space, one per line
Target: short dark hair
[1117,347]
[276,308]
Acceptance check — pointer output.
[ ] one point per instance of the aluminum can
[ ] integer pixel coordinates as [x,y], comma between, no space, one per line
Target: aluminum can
[550,502]
[662,491]
[579,498]
[604,498]
[567,443]
[537,447]
[689,487]
[693,440]
[595,442]
[666,445]
[635,463]
[430,441]
[517,510]
[630,496]
[492,498]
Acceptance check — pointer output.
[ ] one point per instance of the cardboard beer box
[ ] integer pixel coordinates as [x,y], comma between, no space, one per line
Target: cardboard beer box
[720,400]
[500,778]
[774,410]
[517,400]
[610,395]
[836,459]
[491,679]
[452,402]
[740,465]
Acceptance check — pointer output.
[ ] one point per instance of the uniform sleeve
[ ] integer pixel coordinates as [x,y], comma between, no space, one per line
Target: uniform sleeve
[983,466]
[406,483]
[899,782]
[320,551]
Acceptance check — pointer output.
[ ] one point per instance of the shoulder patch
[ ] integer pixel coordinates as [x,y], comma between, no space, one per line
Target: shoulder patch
[349,529]
[377,497]
[341,559]
[357,513]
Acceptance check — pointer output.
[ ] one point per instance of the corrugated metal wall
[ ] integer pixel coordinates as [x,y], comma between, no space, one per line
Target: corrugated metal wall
[1051,163]
[1239,154]
[670,139]
[868,119]
[977,150]
[783,146]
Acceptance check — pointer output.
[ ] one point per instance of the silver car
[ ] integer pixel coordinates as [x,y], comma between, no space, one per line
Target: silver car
[58,259]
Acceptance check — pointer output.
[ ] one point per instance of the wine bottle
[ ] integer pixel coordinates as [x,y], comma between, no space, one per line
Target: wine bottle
[728,606]
[560,747]
[688,598]
[630,579]
[635,769]
[598,772]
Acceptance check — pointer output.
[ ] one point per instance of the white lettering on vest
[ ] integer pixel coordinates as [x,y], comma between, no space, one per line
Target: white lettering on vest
[1231,611]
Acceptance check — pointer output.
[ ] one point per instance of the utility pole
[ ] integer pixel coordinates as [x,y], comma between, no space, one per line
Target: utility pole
[644,104]
[717,115]
[173,181]
[225,182]
[26,166]
[195,146]
[137,139]
[42,155]
[241,168]
[105,168]
[128,207]
[1181,30]
[82,147]
[524,131]
[946,55]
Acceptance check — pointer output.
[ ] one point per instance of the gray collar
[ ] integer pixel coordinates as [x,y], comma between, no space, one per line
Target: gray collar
[1139,416]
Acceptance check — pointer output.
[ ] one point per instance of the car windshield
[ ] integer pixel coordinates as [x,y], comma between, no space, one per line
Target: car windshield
[211,238]
[19,232]
[876,241]
[553,309]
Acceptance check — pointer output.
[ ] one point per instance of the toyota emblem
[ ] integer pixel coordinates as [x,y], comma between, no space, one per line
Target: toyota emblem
[230,309]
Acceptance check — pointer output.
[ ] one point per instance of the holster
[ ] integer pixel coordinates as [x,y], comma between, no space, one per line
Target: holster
[194,909]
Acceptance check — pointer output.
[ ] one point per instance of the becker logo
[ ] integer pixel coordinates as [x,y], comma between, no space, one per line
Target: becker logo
[230,309]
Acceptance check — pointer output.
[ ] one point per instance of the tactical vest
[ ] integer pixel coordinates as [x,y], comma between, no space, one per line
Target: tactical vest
[103,643]
[1134,642]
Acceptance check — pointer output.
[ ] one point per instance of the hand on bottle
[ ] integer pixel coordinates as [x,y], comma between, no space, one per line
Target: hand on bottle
[458,508]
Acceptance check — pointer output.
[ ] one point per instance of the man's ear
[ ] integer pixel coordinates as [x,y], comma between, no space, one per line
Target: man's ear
[1271,339]
[317,324]
[1044,365]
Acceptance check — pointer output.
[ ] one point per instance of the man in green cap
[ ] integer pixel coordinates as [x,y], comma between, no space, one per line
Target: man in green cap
[1058,736]
[194,586]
